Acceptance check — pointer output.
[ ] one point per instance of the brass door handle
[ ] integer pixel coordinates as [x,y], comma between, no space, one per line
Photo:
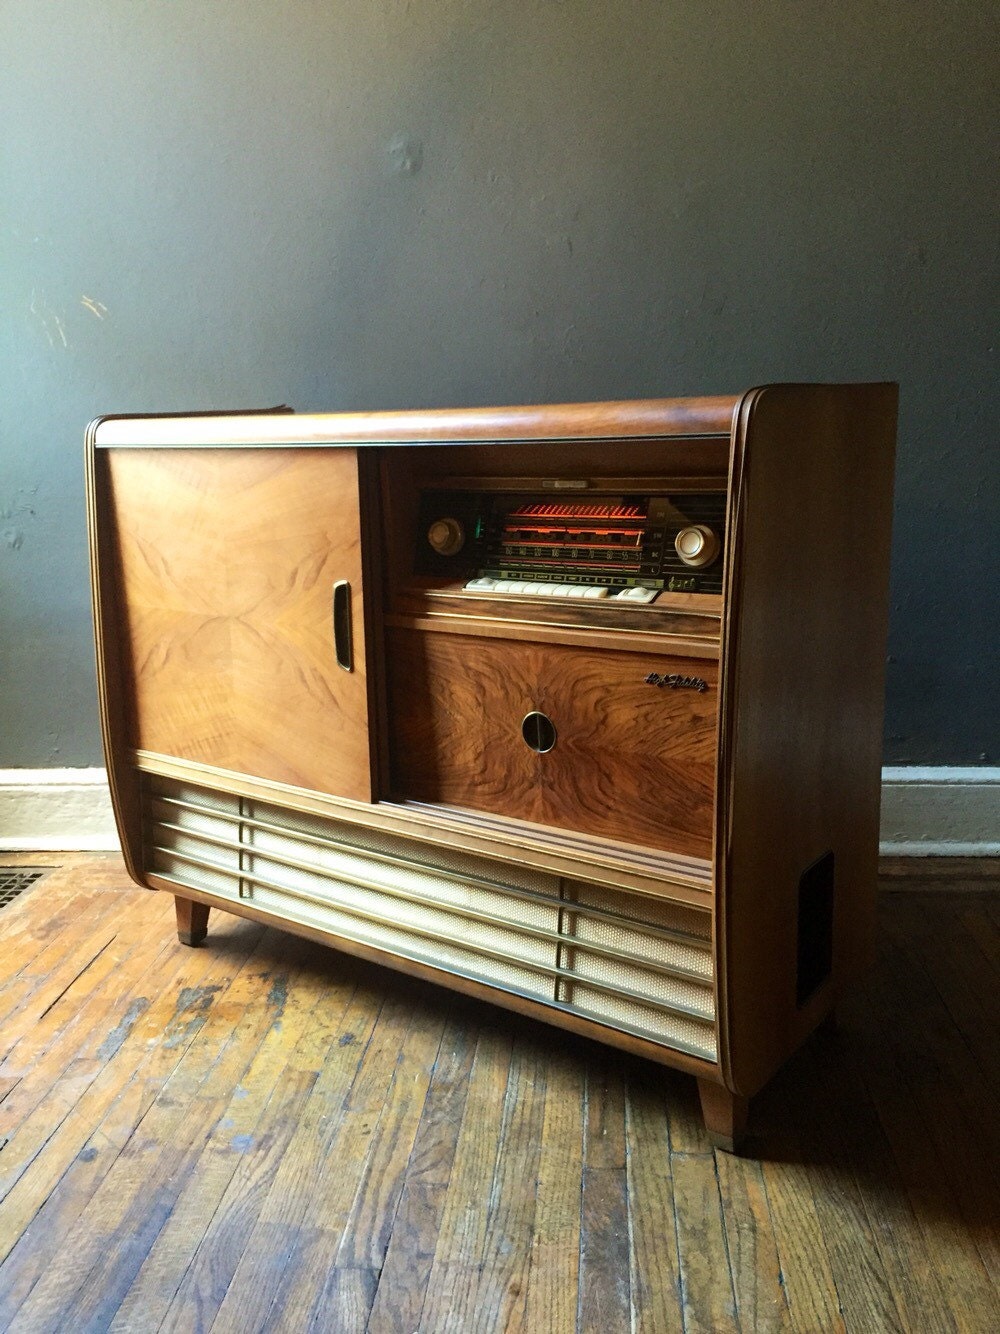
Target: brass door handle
[342,643]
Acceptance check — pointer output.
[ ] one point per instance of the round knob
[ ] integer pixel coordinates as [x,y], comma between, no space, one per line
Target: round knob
[446,536]
[697,545]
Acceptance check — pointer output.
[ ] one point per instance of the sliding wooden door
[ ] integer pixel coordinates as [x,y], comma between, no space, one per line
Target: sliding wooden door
[239,602]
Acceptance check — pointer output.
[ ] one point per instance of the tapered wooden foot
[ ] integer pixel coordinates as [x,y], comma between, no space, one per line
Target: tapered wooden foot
[725,1115]
[192,920]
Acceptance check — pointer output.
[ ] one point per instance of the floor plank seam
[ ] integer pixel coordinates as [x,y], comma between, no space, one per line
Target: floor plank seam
[782,1282]
[679,1290]
[8,1091]
[406,1170]
[630,1221]
[445,1185]
[70,985]
[956,1020]
[583,1178]
[725,1239]
[372,1141]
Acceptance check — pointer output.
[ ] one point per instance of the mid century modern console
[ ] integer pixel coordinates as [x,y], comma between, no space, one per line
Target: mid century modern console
[574,708]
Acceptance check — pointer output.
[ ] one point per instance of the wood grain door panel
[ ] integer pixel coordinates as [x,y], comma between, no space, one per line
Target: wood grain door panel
[632,761]
[226,561]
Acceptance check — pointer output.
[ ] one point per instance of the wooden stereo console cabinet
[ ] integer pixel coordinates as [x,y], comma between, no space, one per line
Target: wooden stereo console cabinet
[577,708]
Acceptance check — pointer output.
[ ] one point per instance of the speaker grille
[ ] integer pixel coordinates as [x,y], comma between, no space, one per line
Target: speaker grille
[637,964]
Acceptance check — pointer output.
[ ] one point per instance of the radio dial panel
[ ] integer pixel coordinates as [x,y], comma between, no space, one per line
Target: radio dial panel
[520,544]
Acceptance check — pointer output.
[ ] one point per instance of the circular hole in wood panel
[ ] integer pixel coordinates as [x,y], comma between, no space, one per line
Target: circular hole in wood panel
[538,732]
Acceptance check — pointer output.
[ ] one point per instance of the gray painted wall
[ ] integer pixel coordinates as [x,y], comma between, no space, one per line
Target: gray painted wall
[384,204]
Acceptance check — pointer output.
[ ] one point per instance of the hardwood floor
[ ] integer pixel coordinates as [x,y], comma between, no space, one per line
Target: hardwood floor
[263,1134]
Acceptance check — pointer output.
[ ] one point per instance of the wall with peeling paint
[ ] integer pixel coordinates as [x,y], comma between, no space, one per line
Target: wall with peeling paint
[395,204]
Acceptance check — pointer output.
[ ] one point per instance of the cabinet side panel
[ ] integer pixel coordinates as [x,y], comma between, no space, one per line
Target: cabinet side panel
[802,727]
[123,779]
[225,563]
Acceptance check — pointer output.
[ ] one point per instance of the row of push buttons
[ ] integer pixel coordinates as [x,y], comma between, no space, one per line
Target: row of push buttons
[485,584]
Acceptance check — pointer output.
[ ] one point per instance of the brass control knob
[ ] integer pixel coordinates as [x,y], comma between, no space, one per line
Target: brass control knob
[697,545]
[446,536]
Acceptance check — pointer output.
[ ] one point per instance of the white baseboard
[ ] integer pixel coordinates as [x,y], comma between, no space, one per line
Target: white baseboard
[926,812]
[940,812]
[56,810]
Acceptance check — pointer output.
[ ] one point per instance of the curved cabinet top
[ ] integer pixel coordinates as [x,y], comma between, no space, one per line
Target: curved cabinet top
[638,419]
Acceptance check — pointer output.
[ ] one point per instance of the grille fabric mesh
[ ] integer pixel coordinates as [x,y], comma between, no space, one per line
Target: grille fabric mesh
[427,919]
[396,940]
[409,880]
[693,958]
[222,882]
[375,840]
[672,991]
[673,1030]
[525,932]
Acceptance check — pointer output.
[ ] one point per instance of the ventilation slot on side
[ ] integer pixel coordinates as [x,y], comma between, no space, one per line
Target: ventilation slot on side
[815,938]
[631,962]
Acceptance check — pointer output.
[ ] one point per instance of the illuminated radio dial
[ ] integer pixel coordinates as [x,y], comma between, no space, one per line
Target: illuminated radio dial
[446,536]
[697,545]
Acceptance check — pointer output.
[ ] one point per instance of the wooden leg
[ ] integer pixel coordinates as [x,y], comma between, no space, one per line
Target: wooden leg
[192,920]
[725,1115]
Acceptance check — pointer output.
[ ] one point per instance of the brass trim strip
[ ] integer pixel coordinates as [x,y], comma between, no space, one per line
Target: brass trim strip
[458,877]
[667,483]
[561,947]
[546,970]
[246,858]
[457,910]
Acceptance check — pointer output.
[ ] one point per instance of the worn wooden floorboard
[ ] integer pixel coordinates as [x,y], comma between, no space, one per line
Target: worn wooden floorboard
[554,1270]
[761,1302]
[152,1129]
[655,1276]
[454,1274]
[262,1117]
[402,1288]
[267,1135]
[124,1061]
[806,1273]
[257,1030]
[605,1278]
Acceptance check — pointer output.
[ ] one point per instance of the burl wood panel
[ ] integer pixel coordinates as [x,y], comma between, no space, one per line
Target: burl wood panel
[225,562]
[632,761]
